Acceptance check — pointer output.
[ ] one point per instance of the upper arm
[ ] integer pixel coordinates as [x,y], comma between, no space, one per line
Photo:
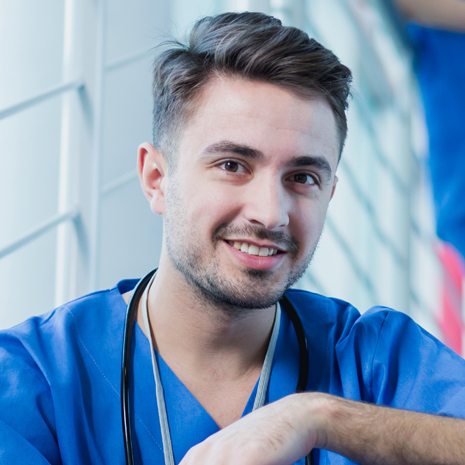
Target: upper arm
[413,370]
[388,359]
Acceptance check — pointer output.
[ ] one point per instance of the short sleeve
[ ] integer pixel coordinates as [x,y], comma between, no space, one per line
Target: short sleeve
[27,424]
[397,363]
[413,370]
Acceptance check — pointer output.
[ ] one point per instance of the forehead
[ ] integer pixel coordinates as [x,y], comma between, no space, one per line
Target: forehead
[263,116]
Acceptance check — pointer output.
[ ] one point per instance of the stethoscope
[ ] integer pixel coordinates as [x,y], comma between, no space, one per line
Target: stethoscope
[125,360]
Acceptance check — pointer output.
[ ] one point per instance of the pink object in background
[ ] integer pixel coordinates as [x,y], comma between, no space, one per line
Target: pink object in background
[450,318]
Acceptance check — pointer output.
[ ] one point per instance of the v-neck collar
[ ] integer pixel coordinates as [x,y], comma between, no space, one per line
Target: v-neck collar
[189,422]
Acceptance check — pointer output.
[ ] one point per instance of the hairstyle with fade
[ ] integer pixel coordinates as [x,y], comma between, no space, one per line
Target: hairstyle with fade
[247,45]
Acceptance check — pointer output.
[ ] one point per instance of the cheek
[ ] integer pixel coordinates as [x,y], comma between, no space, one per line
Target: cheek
[207,205]
[308,223]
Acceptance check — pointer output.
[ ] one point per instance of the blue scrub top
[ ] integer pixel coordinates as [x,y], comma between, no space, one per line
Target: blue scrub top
[60,378]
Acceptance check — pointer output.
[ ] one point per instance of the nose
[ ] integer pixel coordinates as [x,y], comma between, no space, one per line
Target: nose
[266,203]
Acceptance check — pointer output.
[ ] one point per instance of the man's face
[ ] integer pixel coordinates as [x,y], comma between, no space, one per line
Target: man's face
[246,204]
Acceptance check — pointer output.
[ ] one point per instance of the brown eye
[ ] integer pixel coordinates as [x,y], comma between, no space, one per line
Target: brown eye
[302,178]
[231,166]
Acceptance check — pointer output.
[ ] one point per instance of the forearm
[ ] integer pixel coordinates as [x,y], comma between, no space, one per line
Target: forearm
[441,14]
[374,435]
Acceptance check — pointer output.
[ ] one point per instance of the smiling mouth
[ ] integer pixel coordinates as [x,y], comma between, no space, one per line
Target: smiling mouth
[252,249]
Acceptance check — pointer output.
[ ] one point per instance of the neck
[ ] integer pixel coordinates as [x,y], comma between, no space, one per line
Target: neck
[196,336]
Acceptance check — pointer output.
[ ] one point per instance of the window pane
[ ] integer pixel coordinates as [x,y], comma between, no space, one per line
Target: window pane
[127,118]
[130,236]
[28,280]
[29,168]
[134,26]
[31,47]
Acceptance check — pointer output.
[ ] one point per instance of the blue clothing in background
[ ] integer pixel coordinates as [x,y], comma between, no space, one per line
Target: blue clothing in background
[440,67]
[60,378]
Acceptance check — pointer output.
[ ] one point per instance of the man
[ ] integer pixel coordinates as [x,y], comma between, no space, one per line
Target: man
[249,125]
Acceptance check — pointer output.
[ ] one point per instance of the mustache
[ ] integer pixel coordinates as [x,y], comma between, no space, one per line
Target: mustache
[279,238]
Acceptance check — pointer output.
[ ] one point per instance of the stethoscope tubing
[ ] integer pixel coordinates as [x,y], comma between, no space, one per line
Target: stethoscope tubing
[126,362]
[302,341]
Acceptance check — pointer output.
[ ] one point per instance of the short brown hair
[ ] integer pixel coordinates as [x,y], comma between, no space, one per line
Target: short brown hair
[249,45]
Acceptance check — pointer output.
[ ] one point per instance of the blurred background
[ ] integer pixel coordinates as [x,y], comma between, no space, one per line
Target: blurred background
[75,103]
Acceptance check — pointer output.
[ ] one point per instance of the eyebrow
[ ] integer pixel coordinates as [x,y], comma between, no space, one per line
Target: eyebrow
[231,147]
[317,161]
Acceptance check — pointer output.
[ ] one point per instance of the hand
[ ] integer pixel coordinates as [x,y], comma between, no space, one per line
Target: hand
[277,434]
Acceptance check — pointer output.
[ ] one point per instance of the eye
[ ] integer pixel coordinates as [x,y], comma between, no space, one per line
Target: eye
[304,178]
[232,166]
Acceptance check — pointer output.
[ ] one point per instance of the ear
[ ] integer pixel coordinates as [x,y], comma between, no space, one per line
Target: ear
[336,179]
[152,168]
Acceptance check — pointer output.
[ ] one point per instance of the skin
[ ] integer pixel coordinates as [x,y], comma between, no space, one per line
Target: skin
[251,196]
[237,180]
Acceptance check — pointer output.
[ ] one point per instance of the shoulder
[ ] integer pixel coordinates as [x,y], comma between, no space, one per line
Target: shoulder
[51,365]
[341,324]
[401,364]
[63,320]
[315,309]
[40,342]
[363,356]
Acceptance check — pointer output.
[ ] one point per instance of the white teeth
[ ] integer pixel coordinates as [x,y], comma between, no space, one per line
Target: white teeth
[252,249]
[263,252]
